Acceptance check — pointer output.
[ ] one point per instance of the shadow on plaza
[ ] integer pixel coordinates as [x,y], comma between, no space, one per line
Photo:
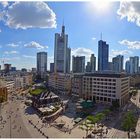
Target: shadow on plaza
[30,110]
[118,122]
[70,110]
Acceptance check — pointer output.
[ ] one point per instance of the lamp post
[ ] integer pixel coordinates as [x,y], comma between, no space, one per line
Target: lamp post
[10,128]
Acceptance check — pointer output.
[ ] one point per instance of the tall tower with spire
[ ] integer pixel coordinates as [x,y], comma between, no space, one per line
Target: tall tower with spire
[61,52]
[103,54]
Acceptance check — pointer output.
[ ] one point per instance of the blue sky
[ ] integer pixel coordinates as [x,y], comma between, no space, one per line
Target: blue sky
[32,29]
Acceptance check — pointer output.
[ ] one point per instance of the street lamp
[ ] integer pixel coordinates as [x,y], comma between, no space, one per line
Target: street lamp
[10,127]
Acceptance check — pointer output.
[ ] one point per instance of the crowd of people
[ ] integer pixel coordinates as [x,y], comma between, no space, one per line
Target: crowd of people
[38,129]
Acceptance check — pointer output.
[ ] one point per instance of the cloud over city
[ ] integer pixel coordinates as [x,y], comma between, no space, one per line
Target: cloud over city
[35,15]
[36,45]
[13,45]
[11,52]
[82,52]
[135,45]
[130,11]
[120,52]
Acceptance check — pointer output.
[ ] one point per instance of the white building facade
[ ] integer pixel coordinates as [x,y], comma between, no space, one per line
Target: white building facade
[106,88]
[60,82]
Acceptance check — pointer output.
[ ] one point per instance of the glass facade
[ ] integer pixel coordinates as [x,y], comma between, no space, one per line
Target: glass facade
[103,51]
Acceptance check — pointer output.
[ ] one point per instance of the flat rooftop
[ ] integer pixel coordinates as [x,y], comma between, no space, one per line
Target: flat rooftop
[112,75]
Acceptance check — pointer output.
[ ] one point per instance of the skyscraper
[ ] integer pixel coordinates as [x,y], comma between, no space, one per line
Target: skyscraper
[93,62]
[61,52]
[127,66]
[118,63]
[91,66]
[134,64]
[7,68]
[88,67]
[103,51]
[78,64]
[41,62]
[110,66]
[51,67]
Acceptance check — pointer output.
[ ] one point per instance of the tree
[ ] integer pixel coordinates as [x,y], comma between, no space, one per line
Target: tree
[106,111]
[100,116]
[115,105]
[86,126]
[129,122]
[92,119]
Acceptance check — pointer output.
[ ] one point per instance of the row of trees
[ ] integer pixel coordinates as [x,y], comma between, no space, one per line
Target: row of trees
[91,121]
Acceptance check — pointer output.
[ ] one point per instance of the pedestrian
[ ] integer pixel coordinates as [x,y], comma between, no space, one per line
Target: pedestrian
[70,131]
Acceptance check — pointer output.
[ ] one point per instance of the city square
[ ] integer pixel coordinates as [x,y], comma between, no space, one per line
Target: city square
[69,70]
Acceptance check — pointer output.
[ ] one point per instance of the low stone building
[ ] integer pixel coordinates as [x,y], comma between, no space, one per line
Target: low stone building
[3,91]
[60,83]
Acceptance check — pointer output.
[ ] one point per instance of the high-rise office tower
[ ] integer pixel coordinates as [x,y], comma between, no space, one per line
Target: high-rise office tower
[110,66]
[103,51]
[134,64]
[51,67]
[41,62]
[118,63]
[78,64]
[93,62]
[88,67]
[91,66]
[7,68]
[62,53]
[127,66]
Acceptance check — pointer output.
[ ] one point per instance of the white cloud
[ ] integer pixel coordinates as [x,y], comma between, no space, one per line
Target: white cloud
[29,56]
[8,59]
[34,44]
[130,44]
[4,3]
[23,15]
[82,52]
[13,45]
[114,53]
[0,30]
[93,38]
[10,52]
[130,10]
[120,52]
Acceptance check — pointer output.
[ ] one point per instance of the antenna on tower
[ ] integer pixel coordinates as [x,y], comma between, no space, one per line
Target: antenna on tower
[101,35]
[63,22]
[63,27]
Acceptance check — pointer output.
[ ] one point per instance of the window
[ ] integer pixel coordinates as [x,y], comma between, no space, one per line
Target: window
[109,100]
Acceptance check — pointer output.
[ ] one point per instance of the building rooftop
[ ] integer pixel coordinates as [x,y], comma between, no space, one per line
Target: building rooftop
[47,94]
[107,75]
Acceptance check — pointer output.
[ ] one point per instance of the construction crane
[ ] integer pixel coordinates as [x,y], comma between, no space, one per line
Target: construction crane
[2,61]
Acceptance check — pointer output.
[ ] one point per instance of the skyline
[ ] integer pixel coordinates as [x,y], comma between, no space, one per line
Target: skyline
[29,38]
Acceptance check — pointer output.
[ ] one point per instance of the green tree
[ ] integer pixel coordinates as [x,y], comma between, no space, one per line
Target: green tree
[86,126]
[129,122]
[106,111]
[93,119]
[100,116]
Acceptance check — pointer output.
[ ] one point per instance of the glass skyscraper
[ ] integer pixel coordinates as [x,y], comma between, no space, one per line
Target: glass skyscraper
[41,62]
[134,64]
[78,64]
[118,63]
[103,51]
[62,53]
